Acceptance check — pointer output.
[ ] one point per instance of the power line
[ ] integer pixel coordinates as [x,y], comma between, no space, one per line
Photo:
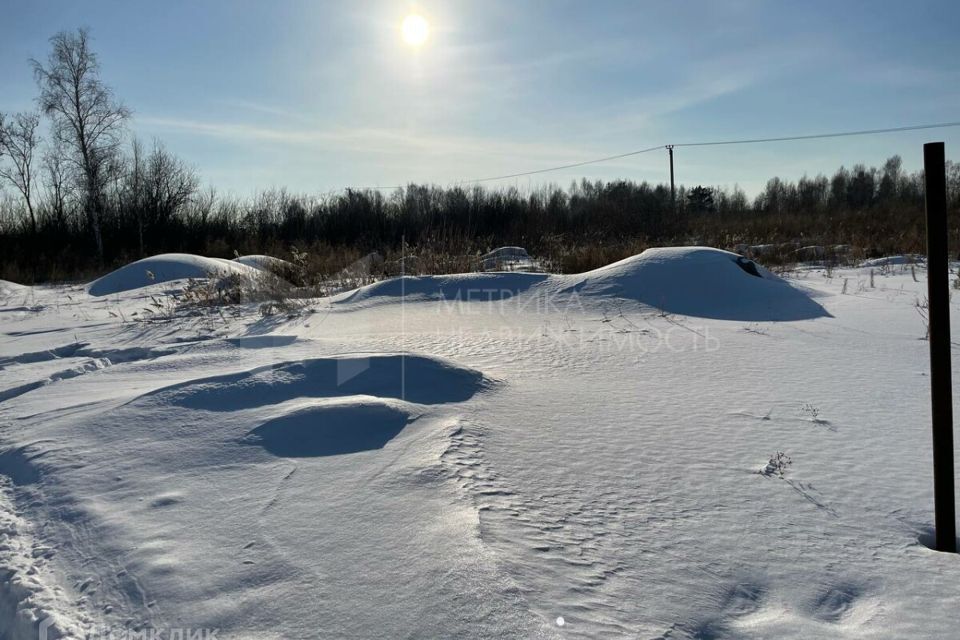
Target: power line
[713,143]
[536,171]
[566,166]
[841,134]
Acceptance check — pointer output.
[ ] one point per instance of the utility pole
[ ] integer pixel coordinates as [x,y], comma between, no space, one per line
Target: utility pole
[941,388]
[673,192]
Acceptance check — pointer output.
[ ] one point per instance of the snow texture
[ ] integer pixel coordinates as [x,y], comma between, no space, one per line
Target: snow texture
[667,447]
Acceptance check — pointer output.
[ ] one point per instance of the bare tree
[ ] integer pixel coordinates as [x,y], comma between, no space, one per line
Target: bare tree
[170,184]
[57,181]
[135,186]
[85,116]
[18,142]
[202,207]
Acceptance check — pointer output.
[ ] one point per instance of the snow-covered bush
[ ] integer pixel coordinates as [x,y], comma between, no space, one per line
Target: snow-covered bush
[777,465]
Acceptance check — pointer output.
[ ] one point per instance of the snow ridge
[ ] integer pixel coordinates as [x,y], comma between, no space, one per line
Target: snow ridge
[29,598]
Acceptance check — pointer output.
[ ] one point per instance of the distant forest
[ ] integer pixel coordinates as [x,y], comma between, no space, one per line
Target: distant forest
[85,196]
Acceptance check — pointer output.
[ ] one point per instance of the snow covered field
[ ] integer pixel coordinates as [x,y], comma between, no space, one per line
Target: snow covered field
[481,455]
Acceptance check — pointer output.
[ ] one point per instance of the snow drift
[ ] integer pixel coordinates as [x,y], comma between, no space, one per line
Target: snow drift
[332,428]
[693,281]
[891,261]
[412,378]
[266,263]
[165,268]
[701,282]
[7,287]
[508,259]
[254,480]
[465,287]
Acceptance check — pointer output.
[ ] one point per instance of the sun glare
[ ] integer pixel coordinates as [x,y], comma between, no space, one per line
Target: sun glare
[415,30]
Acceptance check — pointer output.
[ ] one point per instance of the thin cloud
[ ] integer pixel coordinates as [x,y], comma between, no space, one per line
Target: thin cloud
[265,109]
[378,141]
[708,80]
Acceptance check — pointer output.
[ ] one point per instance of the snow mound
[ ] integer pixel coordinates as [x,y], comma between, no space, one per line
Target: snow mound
[693,281]
[332,428]
[890,261]
[508,259]
[7,287]
[165,268]
[701,282]
[419,379]
[265,263]
[462,287]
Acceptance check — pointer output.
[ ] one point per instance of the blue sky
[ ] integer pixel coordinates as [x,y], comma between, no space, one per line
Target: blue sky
[317,96]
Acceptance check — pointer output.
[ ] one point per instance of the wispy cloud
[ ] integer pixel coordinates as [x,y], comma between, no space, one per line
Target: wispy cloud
[701,81]
[597,53]
[263,109]
[501,152]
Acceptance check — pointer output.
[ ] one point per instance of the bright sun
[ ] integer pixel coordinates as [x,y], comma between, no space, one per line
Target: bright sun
[415,30]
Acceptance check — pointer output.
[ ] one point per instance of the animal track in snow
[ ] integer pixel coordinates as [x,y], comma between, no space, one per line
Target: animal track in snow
[742,599]
[98,359]
[564,535]
[81,350]
[842,603]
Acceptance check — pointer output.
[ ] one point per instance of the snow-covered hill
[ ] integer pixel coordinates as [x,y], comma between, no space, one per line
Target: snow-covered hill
[476,455]
[692,281]
[167,267]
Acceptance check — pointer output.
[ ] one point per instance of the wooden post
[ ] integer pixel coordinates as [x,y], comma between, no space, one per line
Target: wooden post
[941,391]
[673,197]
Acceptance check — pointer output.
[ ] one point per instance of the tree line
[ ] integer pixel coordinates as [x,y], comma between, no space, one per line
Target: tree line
[89,196]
